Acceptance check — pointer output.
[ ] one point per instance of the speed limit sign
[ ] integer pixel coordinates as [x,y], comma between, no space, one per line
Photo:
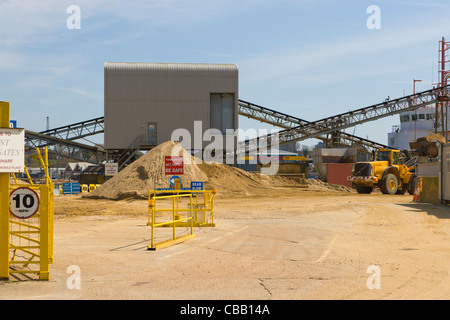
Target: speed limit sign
[23,203]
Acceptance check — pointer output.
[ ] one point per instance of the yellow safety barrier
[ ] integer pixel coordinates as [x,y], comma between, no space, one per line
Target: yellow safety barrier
[84,188]
[202,206]
[30,240]
[176,219]
[26,219]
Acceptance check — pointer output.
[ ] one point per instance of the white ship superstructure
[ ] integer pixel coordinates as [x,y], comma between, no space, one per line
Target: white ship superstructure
[413,125]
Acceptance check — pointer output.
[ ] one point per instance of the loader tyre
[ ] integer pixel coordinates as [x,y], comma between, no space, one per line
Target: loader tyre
[364,189]
[402,190]
[389,185]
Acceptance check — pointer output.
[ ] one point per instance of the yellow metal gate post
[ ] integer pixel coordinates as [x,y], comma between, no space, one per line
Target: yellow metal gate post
[49,200]
[4,202]
[44,260]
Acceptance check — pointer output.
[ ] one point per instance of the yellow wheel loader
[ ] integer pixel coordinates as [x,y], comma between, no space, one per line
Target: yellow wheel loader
[388,172]
[393,171]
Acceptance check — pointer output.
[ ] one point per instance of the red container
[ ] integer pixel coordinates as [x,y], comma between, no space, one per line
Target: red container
[338,173]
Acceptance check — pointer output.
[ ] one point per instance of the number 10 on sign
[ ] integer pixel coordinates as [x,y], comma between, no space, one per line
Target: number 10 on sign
[23,203]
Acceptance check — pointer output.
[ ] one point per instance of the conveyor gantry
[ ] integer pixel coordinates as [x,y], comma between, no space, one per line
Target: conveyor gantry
[64,148]
[282,120]
[352,118]
[78,130]
[60,141]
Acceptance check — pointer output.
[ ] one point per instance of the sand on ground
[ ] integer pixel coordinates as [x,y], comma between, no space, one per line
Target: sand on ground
[290,244]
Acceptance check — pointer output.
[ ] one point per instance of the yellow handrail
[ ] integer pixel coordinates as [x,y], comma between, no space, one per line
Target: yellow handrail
[207,205]
[175,220]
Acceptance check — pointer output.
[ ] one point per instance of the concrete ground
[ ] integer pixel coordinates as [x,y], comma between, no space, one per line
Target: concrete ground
[290,245]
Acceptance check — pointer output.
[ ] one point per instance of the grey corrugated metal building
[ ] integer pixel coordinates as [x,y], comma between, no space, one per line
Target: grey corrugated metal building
[146,102]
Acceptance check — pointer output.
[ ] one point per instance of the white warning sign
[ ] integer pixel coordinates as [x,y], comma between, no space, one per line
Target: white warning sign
[12,150]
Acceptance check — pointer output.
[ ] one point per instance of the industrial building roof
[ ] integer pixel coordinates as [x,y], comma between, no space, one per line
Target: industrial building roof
[169,67]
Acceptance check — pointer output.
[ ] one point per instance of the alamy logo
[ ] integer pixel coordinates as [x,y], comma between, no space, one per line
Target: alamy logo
[374,280]
[73,22]
[225,148]
[74,280]
[374,20]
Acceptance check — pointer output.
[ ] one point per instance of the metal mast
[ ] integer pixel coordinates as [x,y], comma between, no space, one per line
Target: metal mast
[444,73]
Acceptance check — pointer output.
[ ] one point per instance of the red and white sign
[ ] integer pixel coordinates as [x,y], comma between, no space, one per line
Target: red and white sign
[174,165]
[111,168]
[23,203]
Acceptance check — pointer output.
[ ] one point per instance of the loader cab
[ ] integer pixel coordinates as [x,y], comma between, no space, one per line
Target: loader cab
[392,156]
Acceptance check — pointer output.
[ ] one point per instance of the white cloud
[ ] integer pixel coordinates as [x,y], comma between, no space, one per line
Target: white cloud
[83,92]
[11,60]
[304,61]
[24,22]
[422,3]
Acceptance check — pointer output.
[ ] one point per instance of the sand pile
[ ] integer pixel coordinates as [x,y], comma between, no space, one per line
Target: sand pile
[228,180]
[147,173]
[319,185]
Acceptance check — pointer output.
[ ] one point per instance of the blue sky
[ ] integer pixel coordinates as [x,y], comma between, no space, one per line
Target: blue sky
[311,59]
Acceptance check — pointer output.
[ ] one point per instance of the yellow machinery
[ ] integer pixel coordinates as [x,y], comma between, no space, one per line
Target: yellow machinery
[388,172]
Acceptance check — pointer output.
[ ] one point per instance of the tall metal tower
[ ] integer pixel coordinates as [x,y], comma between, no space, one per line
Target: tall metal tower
[444,74]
